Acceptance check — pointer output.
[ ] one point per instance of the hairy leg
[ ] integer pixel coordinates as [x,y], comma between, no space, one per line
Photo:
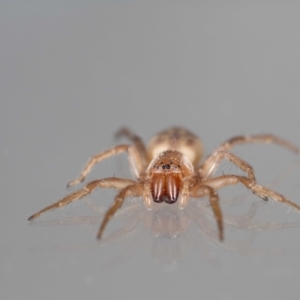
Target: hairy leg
[211,163]
[260,138]
[184,193]
[204,190]
[133,157]
[138,143]
[134,190]
[261,191]
[147,196]
[116,183]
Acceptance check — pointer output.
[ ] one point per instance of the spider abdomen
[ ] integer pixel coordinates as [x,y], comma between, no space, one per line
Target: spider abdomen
[176,139]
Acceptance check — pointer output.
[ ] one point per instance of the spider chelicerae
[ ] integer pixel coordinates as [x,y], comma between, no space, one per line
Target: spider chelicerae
[168,170]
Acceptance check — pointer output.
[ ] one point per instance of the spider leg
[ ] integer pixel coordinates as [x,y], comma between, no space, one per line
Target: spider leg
[184,192]
[203,190]
[260,138]
[135,190]
[147,196]
[211,163]
[183,196]
[137,141]
[260,191]
[134,158]
[117,183]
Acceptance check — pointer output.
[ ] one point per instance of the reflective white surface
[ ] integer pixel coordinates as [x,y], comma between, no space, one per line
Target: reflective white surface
[74,73]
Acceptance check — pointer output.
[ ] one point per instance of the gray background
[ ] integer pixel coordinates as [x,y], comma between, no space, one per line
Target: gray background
[72,73]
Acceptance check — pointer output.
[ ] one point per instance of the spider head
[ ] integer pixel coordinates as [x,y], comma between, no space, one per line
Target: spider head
[166,172]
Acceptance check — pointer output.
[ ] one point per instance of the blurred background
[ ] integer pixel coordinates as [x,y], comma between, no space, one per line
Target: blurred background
[74,72]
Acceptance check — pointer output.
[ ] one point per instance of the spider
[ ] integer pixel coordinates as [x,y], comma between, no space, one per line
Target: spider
[169,171]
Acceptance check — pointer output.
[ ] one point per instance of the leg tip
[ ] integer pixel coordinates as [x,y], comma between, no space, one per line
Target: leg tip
[221,237]
[69,184]
[74,182]
[31,218]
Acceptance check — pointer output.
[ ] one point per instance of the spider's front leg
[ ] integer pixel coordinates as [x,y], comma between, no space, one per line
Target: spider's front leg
[261,191]
[206,190]
[135,190]
[225,180]
[134,158]
[117,183]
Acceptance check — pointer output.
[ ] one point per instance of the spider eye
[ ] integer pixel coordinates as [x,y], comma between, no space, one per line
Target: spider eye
[166,166]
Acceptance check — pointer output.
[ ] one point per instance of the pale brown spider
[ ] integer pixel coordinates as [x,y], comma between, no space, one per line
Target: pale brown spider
[168,170]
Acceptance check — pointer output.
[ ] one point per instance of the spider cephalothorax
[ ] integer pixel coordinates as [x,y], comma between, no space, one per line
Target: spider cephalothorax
[168,170]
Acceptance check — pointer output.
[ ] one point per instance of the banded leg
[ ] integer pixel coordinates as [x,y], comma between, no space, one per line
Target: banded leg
[138,143]
[214,201]
[211,164]
[133,157]
[135,190]
[260,191]
[116,183]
